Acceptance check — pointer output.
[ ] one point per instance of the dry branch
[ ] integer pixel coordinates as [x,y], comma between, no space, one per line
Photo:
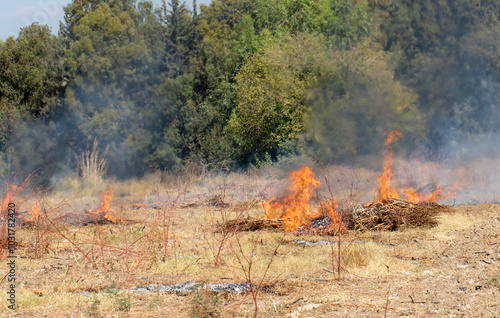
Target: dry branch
[390,214]
[393,214]
[250,224]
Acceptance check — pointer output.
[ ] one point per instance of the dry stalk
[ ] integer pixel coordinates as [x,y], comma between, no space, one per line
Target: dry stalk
[244,269]
[171,203]
[92,165]
[337,254]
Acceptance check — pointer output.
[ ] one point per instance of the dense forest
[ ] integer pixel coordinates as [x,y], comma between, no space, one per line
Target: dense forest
[247,82]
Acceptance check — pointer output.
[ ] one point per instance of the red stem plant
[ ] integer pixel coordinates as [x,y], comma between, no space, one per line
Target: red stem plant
[244,268]
[171,203]
[337,214]
[217,238]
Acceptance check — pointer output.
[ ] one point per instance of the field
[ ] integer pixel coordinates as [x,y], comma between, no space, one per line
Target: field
[168,230]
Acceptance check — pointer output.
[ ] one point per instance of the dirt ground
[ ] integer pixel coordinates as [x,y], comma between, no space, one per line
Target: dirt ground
[451,270]
[457,277]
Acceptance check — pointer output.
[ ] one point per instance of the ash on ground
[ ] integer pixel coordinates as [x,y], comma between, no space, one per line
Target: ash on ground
[190,287]
[318,225]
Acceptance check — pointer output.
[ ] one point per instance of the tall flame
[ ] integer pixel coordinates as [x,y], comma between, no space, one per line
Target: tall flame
[106,198]
[294,208]
[386,188]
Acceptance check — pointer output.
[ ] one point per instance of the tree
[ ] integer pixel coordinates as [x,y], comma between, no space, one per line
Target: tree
[30,71]
[270,97]
[448,53]
[117,86]
[178,37]
[351,108]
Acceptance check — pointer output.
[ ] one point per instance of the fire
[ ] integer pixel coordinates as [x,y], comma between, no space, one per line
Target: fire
[416,197]
[106,198]
[34,213]
[9,195]
[294,208]
[386,188]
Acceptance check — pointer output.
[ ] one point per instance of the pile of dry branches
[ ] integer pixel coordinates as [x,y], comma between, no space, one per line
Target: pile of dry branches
[389,215]
[393,214]
[250,224]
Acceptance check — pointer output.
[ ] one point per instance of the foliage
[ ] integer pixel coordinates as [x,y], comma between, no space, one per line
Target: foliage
[30,71]
[359,101]
[448,52]
[246,82]
[270,96]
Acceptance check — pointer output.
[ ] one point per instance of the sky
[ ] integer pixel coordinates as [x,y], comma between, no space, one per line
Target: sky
[17,14]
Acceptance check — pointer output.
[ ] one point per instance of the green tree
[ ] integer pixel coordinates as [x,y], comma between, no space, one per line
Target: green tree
[30,71]
[448,53]
[270,97]
[118,90]
[352,108]
[216,58]
[178,37]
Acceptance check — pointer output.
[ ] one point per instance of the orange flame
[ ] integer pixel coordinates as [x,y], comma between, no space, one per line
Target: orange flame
[439,194]
[34,213]
[10,194]
[106,198]
[294,208]
[386,188]
[332,214]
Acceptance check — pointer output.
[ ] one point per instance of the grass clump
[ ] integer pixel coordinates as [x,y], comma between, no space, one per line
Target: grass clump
[494,281]
[93,311]
[204,304]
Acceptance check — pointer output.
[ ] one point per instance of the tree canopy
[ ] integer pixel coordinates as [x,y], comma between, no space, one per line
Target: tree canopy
[238,82]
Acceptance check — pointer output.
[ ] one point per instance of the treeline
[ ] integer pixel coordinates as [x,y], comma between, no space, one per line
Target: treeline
[247,81]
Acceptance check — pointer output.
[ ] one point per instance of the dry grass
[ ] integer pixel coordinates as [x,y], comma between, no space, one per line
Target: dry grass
[92,166]
[456,221]
[178,242]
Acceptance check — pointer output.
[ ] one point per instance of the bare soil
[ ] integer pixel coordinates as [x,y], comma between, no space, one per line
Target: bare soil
[457,277]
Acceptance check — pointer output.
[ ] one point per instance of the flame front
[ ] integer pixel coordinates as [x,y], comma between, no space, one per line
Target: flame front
[106,198]
[294,208]
[34,213]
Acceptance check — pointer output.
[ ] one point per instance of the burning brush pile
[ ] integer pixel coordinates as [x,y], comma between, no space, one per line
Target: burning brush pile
[294,212]
[393,214]
[389,211]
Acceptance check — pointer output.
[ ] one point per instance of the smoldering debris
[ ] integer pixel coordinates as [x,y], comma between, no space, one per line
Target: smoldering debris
[84,219]
[250,224]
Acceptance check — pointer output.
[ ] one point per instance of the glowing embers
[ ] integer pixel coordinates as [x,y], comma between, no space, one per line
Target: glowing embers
[294,208]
